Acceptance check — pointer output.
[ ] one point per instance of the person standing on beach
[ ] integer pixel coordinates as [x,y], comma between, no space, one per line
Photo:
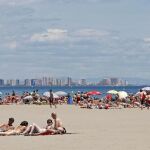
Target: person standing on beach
[142,98]
[51,99]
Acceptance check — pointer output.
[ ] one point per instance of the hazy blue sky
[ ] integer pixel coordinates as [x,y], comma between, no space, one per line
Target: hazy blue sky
[78,38]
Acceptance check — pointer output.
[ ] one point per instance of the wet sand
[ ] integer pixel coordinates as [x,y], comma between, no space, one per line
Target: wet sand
[123,129]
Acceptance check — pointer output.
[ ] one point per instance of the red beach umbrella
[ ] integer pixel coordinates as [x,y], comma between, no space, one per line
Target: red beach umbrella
[93,93]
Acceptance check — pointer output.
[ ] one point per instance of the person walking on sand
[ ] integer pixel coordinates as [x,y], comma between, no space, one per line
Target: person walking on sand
[51,99]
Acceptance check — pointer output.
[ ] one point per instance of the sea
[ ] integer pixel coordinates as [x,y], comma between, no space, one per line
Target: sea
[71,89]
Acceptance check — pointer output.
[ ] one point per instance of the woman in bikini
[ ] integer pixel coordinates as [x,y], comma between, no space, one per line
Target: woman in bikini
[34,129]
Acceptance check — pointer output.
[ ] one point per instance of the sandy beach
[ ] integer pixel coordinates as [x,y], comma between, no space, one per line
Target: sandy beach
[89,129]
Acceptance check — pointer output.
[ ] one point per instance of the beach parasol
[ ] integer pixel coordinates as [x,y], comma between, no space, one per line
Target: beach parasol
[47,94]
[93,93]
[61,93]
[140,93]
[122,94]
[55,95]
[146,89]
[112,92]
[28,97]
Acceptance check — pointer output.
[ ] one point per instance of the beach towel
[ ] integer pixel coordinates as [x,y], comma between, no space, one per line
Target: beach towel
[46,133]
[50,133]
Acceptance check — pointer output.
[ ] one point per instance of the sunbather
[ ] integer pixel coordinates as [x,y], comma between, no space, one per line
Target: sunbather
[36,130]
[18,130]
[58,126]
[7,126]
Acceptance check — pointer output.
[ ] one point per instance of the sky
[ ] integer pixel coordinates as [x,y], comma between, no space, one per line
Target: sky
[77,38]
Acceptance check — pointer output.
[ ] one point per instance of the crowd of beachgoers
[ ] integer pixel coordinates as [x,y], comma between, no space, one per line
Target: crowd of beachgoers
[92,99]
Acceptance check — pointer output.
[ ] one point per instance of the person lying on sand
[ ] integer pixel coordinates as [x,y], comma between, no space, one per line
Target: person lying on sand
[19,129]
[34,129]
[7,126]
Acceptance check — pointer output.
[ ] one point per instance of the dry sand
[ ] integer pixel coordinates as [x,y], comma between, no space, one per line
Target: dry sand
[125,129]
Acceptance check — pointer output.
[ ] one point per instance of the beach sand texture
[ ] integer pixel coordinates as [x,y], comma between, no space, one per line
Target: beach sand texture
[93,129]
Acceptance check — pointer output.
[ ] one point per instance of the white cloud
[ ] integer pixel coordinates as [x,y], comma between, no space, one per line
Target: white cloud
[15,2]
[147,40]
[91,33]
[12,45]
[51,35]
[82,1]
[63,35]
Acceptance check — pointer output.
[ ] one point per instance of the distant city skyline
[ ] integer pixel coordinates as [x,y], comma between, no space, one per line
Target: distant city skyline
[68,81]
[77,38]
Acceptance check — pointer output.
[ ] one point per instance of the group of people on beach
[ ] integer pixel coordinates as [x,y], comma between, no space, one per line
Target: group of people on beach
[138,100]
[82,99]
[31,98]
[52,127]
